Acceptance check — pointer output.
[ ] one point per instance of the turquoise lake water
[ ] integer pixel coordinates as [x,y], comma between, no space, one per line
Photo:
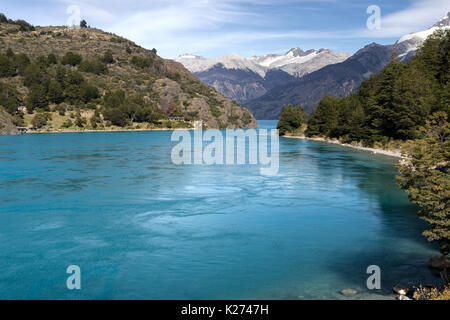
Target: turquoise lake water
[141,227]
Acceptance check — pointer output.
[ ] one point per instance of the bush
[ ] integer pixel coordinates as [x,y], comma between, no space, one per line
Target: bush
[114,99]
[67,124]
[292,119]
[116,116]
[72,59]
[93,66]
[108,57]
[61,110]
[39,120]
[80,122]
[88,92]
[51,59]
[140,62]
[24,26]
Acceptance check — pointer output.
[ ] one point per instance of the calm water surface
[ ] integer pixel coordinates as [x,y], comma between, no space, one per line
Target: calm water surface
[142,228]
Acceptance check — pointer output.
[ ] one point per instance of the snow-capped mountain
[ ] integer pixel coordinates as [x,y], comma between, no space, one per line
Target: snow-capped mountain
[298,63]
[295,62]
[415,39]
[339,79]
[243,79]
[199,64]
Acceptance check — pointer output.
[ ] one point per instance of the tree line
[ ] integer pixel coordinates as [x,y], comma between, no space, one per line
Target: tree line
[53,80]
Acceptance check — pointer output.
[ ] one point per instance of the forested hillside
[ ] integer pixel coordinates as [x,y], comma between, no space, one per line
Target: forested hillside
[393,104]
[60,78]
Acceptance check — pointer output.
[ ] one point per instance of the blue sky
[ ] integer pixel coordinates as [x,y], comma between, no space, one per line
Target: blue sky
[214,28]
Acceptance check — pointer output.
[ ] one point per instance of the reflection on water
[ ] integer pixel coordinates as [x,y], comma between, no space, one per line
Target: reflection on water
[142,228]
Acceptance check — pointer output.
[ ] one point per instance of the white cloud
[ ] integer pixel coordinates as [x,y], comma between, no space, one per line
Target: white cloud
[421,15]
[197,26]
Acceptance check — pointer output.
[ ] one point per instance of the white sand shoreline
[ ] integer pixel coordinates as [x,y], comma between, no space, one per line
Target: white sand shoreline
[396,154]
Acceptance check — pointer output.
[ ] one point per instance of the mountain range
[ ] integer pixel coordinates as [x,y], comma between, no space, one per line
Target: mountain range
[244,79]
[266,84]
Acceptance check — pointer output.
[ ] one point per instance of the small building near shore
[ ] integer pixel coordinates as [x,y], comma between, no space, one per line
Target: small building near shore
[22,108]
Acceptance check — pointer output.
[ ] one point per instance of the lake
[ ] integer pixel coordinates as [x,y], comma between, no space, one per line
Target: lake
[140,227]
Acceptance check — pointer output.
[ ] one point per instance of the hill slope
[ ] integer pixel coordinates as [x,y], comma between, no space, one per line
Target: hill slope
[6,125]
[150,89]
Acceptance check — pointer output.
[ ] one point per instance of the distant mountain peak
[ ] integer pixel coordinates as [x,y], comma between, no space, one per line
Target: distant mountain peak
[296,52]
[417,38]
[189,56]
[444,22]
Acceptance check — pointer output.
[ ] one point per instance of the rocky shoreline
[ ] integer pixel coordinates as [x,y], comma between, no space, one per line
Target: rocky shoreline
[112,130]
[392,153]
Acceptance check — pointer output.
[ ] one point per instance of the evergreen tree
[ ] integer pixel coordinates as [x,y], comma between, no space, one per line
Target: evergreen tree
[37,98]
[3,18]
[55,92]
[108,57]
[72,59]
[7,68]
[292,119]
[425,177]
[324,119]
[51,59]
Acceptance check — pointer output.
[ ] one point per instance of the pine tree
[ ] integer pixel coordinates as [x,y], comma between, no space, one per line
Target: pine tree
[425,177]
[291,120]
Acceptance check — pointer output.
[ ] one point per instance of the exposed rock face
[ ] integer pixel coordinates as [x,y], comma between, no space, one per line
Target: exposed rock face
[243,79]
[339,79]
[7,127]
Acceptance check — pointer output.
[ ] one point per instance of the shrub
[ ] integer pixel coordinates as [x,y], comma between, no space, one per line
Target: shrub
[39,120]
[72,59]
[93,66]
[140,62]
[24,26]
[51,59]
[107,57]
[116,116]
[67,124]
[292,119]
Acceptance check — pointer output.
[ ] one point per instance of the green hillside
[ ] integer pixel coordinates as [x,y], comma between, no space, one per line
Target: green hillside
[60,78]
